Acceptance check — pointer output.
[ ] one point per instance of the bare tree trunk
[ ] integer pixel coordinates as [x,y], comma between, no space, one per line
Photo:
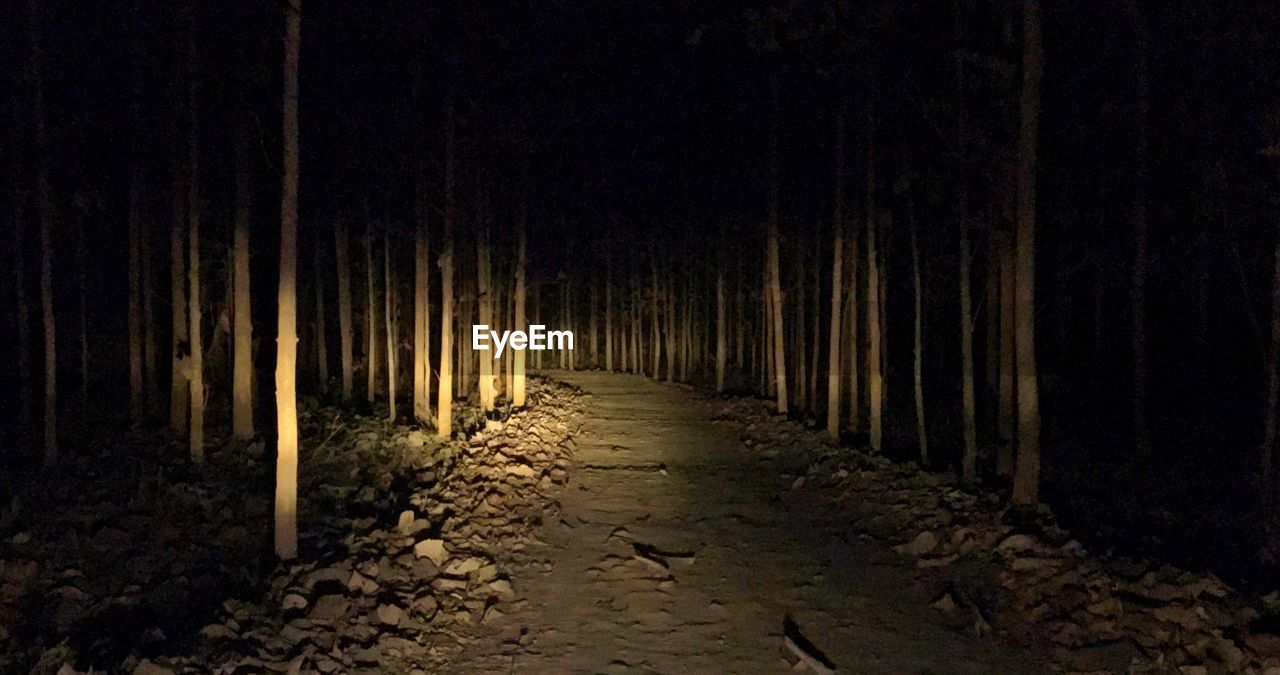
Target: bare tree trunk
[592,332]
[421,313]
[969,456]
[722,337]
[855,379]
[484,294]
[917,368]
[608,310]
[194,206]
[371,315]
[150,368]
[242,375]
[286,512]
[45,205]
[1026,476]
[444,397]
[771,257]
[322,349]
[1007,417]
[655,332]
[345,337]
[137,395]
[22,319]
[837,279]
[1141,435]
[388,288]
[518,367]
[1266,451]
[875,375]
[179,389]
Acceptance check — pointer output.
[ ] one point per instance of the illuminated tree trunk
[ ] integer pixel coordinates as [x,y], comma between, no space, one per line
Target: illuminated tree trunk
[286,511]
[815,326]
[421,314]
[22,319]
[179,389]
[837,281]
[345,337]
[722,336]
[771,256]
[389,319]
[739,323]
[592,334]
[1026,476]
[242,343]
[518,359]
[1007,416]
[656,340]
[137,395]
[45,207]
[371,315]
[917,369]
[669,295]
[635,320]
[485,297]
[195,434]
[875,376]
[608,310]
[322,348]
[444,397]
[855,373]
[991,348]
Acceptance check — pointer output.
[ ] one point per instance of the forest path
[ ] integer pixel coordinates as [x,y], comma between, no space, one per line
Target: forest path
[654,468]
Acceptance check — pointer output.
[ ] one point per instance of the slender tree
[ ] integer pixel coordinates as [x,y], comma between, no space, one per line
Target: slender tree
[771,257]
[1138,333]
[322,349]
[179,389]
[875,375]
[444,398]
[370,315]
[345,337]
[968,414]
[44,202]
[137,395]
[917,368]
[837,278]
[286,509]
[1026,476]
[484,291]
[421,310]
[518,367]
[195,380]
[242,324]
[388,288]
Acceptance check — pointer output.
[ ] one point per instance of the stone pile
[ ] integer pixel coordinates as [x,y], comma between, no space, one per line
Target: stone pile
[1019,575]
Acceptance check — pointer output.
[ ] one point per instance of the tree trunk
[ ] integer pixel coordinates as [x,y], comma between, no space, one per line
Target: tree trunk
[22,319]
[771,257]
[875,375]
[837,280]
[371,315]
[484,295]
[137,395]
[322,349]
[917,368]
[179,389]
[592,334]
[518,365]
[969,456]
[421,312]
[45,205]
[656,332]
[345,337]
[444,397]
[1007,417]
[1141,437]
[286,513]
[608,309]
[389,319]
[196,379]
[150,368]
[1026,477]
[855,373]
[242,375]
[722,337]
[1266,450]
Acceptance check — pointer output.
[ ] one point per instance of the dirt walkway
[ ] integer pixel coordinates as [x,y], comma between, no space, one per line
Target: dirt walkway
[657,480]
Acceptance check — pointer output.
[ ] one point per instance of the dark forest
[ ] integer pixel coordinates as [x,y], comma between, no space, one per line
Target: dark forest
[902,336]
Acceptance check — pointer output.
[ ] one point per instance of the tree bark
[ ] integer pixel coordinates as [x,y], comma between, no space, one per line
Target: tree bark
[484,293]
[179,389]
[875,376]
[242,368]
[518,365]
[837,278]
[195,435]
[322,348]
[421,312]
[389,320]
[45,212]
[1026,477]
[917,368]
[371,315]
[137,393]
[444,397]
[286,514]
[345,337]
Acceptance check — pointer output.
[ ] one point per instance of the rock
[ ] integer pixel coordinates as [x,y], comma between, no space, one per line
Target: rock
[390,614]
[293,601]
[431,549]
[329,608]
[359,583]
[1017,543]
[923,543]
[502,587]
[217,631]
[146,667]
[405,522]
[463,566]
